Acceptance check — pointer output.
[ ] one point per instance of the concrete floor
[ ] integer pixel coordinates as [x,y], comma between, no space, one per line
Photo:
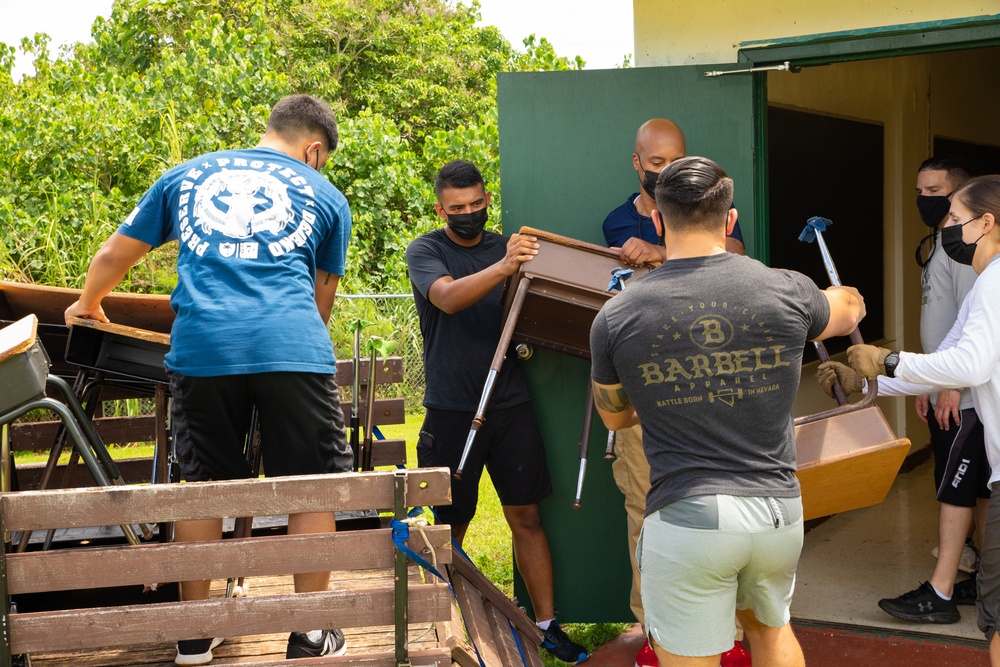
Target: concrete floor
[852,560]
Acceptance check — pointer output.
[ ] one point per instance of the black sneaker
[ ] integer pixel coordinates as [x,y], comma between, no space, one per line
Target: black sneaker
[965,591]
[300,646]
[922,604]
[196,651]
[558,644]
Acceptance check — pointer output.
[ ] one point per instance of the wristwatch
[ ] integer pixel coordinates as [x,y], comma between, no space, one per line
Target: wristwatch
[890,363]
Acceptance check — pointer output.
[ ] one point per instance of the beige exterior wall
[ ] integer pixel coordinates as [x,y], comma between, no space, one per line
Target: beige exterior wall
[710,31]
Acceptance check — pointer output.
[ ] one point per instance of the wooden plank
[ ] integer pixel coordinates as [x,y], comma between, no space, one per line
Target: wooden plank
[139,470]
[389,370]
[72,569]
[451,633]
[471,603]
[463,656]
[389,452]
[37,436]
[520,620]
[503,636]
[530,652]
[387,410]
[18,337]
[420,657]
[122,330]
[148,311]
[221,617]
[134,471]
[110,506]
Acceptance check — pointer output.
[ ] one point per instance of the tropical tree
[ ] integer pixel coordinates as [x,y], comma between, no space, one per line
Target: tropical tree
[413,82]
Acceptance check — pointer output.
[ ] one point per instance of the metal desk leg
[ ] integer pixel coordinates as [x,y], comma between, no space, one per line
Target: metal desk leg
[498,357]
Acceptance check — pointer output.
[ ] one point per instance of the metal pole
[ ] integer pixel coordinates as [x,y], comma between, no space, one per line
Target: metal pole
[401,612]
[369,440]
[355,398]
[505,335]
[588,420]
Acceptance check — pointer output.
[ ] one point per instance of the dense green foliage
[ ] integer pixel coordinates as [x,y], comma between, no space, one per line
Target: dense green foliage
[413,82]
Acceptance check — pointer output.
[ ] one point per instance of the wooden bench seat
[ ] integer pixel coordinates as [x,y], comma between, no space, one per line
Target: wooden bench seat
[134,625]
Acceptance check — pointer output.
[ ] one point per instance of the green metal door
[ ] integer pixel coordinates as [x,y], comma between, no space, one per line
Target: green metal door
[566,141]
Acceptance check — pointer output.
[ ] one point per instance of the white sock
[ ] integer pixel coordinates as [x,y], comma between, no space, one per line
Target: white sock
[314,635]
[544,625]
[940,594]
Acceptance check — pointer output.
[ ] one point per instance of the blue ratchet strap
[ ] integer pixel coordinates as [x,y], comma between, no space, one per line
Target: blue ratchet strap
[618,278]
[517,642]
[401,535]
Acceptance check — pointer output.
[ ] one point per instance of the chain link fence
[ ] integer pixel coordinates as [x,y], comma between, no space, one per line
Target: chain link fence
[389,317]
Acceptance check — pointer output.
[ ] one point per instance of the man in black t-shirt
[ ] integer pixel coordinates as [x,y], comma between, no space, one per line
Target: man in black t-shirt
[457,273]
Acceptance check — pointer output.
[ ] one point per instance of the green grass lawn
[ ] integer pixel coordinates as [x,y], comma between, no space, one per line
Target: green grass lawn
[488,540]
[488,543]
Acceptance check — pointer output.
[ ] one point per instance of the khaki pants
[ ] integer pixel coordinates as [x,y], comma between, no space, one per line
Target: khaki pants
[631,472]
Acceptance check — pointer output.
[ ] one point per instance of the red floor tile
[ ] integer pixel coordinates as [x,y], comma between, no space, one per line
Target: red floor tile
[825,646]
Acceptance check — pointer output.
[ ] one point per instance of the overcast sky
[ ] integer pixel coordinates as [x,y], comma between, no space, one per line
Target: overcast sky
[575,27]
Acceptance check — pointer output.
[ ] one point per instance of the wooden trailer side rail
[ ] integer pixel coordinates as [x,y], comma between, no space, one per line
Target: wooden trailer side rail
[82,568]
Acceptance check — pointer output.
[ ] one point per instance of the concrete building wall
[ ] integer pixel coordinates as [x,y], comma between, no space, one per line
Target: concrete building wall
[710,31]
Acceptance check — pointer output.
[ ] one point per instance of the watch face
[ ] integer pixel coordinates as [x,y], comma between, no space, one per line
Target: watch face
[890,363]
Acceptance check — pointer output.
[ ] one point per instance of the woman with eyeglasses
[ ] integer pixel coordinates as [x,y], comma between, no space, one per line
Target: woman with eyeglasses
[968,357]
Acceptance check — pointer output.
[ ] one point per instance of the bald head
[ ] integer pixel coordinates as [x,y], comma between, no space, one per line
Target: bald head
[662,137]
[657,143]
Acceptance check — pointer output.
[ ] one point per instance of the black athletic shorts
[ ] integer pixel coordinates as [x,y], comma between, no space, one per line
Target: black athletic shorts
[509,445]
[961,470]
[301,424]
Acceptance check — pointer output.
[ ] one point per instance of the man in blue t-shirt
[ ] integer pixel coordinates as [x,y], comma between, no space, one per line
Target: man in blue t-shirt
[262,241]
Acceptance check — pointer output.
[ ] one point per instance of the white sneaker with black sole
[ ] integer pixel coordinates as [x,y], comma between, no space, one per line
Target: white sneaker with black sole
[196,651]
[332,642]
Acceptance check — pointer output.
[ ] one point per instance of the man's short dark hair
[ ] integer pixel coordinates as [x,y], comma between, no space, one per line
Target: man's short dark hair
[956,170]
[694,192]
[298,115]
[458,174]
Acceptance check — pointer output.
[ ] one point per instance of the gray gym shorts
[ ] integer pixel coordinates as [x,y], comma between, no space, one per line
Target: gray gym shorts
[704,557]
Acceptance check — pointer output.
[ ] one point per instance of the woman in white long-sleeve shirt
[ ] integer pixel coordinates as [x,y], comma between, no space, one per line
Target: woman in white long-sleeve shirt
[968,357]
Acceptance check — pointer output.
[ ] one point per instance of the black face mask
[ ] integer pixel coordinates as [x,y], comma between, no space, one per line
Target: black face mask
[649,180]
[468,225]
[933,209]
[955,247]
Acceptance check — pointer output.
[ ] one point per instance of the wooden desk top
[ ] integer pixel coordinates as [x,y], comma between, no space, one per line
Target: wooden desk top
[122,330]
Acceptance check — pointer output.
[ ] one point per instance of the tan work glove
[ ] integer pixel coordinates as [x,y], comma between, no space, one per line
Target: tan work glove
[867,360]
[831,371]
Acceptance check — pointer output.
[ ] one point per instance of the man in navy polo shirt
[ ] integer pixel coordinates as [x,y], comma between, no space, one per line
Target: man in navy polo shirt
[658,142]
